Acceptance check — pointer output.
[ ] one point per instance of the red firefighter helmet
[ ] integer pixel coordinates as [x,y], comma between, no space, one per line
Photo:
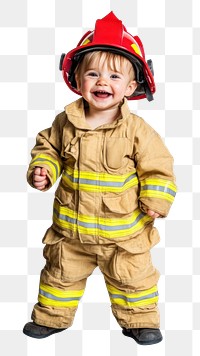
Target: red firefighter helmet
[111,35]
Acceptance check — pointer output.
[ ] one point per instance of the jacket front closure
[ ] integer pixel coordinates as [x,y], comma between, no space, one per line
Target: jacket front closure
[100,177]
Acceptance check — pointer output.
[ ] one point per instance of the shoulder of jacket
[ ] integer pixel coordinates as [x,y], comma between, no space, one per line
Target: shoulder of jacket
[139,122]
[61,117]
[61,120]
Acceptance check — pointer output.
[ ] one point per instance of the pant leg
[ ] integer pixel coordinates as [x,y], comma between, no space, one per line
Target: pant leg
[131,281]
[62,282]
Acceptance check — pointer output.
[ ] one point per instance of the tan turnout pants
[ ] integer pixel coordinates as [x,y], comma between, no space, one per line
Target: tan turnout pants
[130,278]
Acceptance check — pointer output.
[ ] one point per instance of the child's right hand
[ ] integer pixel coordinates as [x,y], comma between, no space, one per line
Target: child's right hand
[40,179]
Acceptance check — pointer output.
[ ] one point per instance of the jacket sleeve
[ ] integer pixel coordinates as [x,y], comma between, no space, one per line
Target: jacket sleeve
[154,165]
[47,153]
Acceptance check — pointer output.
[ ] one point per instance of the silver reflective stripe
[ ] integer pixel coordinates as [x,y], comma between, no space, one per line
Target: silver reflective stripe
[64,217]
[53,297]
[119,296]
[98,226]
[159,188]
[100,183]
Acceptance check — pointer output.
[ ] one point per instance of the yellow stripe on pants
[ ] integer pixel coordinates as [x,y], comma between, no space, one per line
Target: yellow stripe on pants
[137,299]
[59,298]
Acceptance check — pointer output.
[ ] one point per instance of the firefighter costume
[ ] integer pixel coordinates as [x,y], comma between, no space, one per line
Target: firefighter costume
[110,177]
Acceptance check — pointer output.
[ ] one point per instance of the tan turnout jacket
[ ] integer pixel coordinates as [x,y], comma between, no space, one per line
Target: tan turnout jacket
[110,176]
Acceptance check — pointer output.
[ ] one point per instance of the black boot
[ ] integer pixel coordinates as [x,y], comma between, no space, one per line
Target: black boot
[144,336]
[38,331]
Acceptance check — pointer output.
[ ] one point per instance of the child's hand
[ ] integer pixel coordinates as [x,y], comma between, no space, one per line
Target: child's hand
[152,214]
[40,179]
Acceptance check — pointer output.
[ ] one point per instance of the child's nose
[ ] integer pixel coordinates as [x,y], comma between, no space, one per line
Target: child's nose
[102,80]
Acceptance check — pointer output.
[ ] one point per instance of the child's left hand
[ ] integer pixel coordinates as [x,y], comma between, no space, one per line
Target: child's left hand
[152,214]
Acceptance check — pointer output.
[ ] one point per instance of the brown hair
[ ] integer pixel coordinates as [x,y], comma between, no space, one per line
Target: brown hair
[115,62]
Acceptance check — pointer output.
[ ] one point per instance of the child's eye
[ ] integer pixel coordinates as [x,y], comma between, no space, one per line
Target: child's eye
[115,76]
[92,74]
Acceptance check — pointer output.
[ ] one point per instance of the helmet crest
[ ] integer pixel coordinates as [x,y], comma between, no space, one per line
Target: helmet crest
[111,35]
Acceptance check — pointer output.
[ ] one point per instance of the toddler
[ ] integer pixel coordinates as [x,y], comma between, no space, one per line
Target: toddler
[116,178]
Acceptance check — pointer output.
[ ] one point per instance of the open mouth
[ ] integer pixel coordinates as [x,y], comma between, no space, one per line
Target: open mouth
[101,94]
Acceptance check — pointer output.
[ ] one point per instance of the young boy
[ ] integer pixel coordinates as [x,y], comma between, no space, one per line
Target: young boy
[117,177]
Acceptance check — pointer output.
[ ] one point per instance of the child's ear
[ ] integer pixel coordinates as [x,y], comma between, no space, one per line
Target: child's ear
[78,84]
[131,88]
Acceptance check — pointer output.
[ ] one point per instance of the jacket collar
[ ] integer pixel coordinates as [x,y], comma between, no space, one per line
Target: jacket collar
[76,115]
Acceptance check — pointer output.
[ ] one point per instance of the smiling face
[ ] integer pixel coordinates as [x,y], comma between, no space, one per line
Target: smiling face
[104,79]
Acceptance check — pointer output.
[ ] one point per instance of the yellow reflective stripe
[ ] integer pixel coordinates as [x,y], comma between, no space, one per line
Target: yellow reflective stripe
[146,297]
[49,302]
[54,297]
[113,234]
[139,294]
[105,227]
[159,182]
[53,303]
[98,182]
[158,188]
[54,166]
[97,188]
[101,176]
[152,194]
[62,293]
[97,220]
[134,304]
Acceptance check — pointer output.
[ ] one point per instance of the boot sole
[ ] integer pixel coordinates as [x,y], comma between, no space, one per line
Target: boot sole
[142,342]
[28,333]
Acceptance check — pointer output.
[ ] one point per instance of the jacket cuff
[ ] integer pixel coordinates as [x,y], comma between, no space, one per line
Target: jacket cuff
[52,166]
[157,195]
[157,208]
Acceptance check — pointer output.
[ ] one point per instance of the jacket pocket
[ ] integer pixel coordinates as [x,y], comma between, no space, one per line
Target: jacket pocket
[141,243]
[136,269]
[116,153]
[121,204]
[53,252]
